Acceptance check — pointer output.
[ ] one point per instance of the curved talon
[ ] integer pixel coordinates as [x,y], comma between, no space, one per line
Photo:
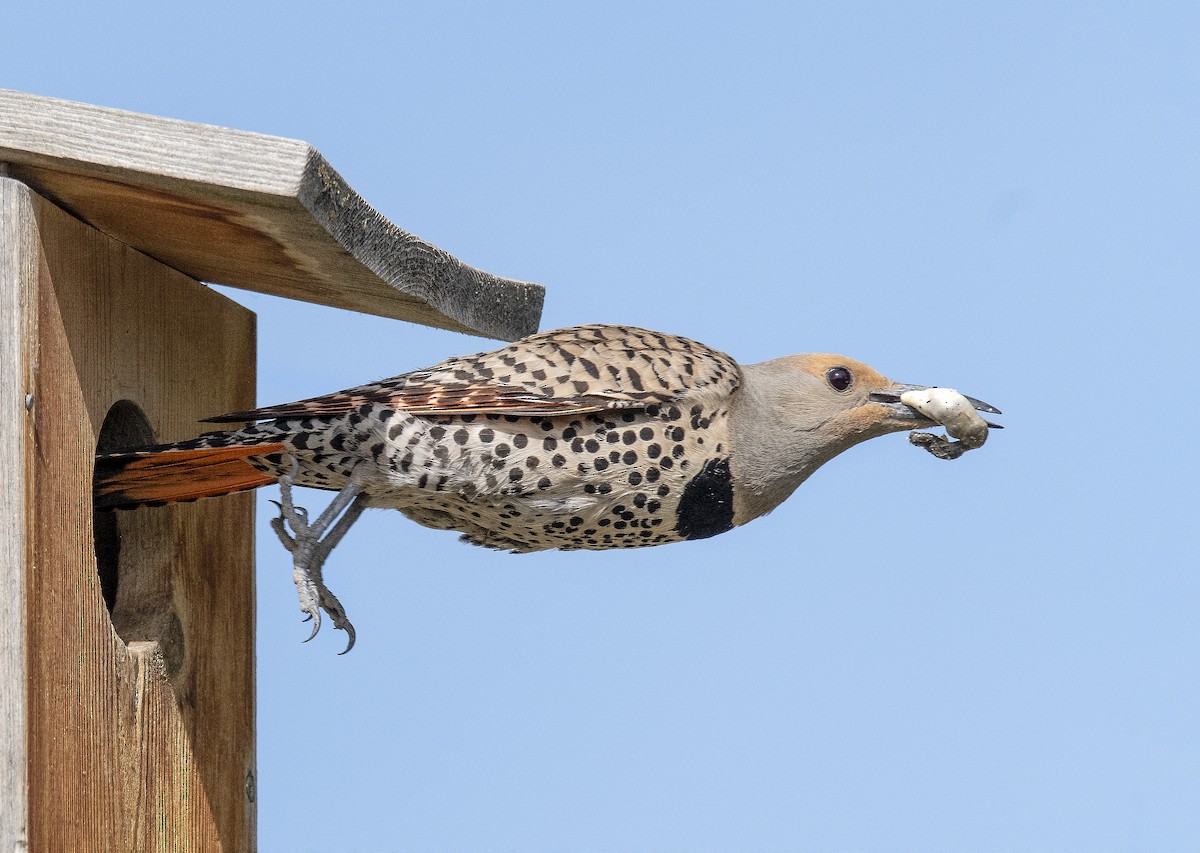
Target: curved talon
[311,544]
[316,620]
[349,629]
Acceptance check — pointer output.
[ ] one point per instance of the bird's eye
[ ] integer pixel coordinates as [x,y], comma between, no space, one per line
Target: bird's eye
[839,378]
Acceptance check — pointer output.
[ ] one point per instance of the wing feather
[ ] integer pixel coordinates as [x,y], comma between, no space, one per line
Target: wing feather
[570,371]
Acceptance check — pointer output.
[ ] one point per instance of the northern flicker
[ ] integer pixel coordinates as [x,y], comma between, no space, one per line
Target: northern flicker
[589,437]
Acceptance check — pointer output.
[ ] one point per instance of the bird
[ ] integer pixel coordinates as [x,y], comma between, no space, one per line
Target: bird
[588,437]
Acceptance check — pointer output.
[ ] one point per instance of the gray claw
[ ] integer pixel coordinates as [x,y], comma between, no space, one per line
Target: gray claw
[349,629]
[310,544]
[280,528]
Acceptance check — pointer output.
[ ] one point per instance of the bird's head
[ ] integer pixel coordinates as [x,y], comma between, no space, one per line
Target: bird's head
[796,413]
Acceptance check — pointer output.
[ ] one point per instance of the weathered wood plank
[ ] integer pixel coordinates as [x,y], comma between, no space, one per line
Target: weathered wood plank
[140,724]
[18,291]
[247,210]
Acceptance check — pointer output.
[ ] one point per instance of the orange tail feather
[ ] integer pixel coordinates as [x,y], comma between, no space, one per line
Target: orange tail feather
[154,477]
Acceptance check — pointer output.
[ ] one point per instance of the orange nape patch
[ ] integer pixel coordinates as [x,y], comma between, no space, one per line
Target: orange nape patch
[153,477]
[818,363]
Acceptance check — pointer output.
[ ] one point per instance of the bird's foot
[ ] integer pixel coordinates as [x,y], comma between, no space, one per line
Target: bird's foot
[310,544]
[315,597]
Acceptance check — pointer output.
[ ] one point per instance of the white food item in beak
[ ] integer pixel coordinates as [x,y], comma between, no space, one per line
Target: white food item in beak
[951,409]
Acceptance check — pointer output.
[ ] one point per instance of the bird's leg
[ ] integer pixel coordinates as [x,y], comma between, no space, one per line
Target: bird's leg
[309,550]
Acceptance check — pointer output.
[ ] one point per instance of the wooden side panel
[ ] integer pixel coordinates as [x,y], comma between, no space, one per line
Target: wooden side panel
[140,725]
[18,332]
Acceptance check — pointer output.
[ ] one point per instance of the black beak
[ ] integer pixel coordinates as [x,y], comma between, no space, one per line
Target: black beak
[891,398]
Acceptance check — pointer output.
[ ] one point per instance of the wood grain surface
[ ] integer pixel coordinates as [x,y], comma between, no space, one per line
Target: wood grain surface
[139,724]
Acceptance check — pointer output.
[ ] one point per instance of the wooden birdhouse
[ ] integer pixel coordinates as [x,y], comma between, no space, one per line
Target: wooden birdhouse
[127,644]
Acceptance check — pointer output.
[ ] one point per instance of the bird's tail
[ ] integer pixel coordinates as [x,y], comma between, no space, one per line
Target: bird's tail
[170,473]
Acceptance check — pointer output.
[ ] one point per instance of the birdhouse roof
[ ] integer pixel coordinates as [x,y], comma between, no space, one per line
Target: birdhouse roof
[247,210]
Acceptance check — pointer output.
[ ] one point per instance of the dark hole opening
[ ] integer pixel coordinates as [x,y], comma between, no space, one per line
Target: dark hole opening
[124,427]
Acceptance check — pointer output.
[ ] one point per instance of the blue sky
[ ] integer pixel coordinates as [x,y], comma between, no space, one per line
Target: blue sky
[999,653]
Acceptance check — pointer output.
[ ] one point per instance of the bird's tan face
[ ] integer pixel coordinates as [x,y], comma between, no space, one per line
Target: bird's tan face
[798,412]
[845,400]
